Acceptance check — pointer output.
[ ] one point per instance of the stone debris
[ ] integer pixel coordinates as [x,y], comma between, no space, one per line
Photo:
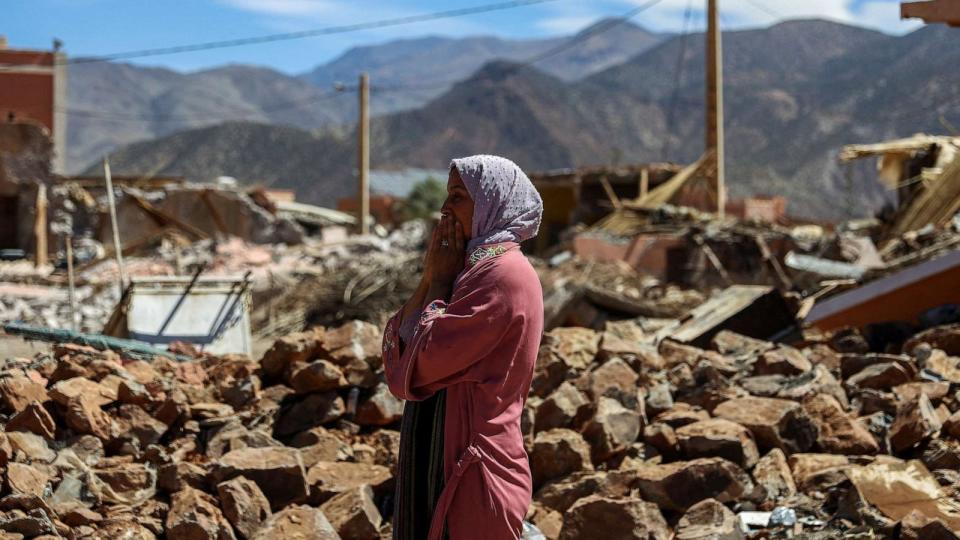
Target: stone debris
[709,520]
[667,441]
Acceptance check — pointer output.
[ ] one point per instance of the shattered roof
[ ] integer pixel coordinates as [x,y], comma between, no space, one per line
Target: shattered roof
[909,145]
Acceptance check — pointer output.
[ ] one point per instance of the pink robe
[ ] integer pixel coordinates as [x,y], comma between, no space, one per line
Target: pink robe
[481,347]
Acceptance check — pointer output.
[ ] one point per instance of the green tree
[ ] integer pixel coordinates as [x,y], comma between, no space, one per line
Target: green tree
[425,198]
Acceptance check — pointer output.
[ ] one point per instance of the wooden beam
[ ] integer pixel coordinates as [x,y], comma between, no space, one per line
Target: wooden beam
[932,11]
[40,227]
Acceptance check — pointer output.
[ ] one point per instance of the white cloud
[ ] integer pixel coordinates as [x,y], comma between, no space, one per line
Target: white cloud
[566,24]
[880,14]
[285,8]
[886,16]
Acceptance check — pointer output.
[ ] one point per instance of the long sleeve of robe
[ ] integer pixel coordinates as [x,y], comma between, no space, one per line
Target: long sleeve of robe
[481,346]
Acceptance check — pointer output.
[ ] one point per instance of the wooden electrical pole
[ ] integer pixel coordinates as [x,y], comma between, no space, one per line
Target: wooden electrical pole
[363,155]
[715,144]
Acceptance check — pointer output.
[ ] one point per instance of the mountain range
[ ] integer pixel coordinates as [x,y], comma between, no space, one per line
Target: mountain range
[112,104]
[795,93]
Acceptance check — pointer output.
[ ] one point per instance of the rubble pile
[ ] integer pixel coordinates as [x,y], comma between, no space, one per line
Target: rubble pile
[743,439]
[358,278]
[96,445]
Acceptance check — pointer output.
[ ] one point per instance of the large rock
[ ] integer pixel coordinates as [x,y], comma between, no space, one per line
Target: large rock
[818,381]
[782,361]
[772,475]
[33,447]
[327,479]
[35,419]
[951,426]
[680,485]
[244,505]
[737,345]
[561,408]
[124,482]
[624,339]
[297,523]
[194,516]
[853,363]
[614,378]
[839,433]
[291,349]
[663,438]
[916,421]
[311,411]
[917,526]
[775,423]
[32,524]
[557,453]
[718,437]
[175,476]
[682,414]
[562,493]
[17,392]
[355,340]
[317,376]
[659,399]
[84,415]
[354,514]
[811,472]
[599,518]
[25,479]
[133,423]
[318,444]
[946,367]
[910,391]
[235,436]
[549,371]
[97,394]
[945,338]
[380,409]
[278,472]
[709,520]
[882,376]
[547,520]
[576,347]
[612,429]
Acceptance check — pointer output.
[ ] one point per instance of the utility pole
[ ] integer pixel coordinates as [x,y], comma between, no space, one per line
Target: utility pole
[363,155]
[715,102]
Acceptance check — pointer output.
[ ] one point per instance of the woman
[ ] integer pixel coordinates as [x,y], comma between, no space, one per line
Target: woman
[461,352]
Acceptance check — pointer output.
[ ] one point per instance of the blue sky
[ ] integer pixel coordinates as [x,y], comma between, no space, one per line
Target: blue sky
[92,27]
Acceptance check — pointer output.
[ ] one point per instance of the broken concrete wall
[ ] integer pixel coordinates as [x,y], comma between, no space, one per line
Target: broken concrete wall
[198,211]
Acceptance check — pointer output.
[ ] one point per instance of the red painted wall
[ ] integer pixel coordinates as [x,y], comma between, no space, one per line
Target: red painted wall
[27,95]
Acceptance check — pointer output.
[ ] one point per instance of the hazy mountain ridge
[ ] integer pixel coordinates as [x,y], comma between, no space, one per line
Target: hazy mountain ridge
[795,93]
[116,104]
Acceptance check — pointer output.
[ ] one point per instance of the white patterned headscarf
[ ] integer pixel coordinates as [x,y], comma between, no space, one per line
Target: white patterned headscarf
[506,206]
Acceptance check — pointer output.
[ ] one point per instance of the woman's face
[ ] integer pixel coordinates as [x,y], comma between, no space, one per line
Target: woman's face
[459,204]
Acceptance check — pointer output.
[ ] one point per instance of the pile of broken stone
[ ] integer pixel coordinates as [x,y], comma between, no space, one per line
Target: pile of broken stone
[627,439]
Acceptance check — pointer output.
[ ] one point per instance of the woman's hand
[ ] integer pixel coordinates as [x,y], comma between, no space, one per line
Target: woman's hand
[446,255]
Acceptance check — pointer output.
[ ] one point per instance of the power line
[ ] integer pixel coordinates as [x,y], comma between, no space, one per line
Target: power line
[330,30]
[666,145]
[766,9]
[553,51]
